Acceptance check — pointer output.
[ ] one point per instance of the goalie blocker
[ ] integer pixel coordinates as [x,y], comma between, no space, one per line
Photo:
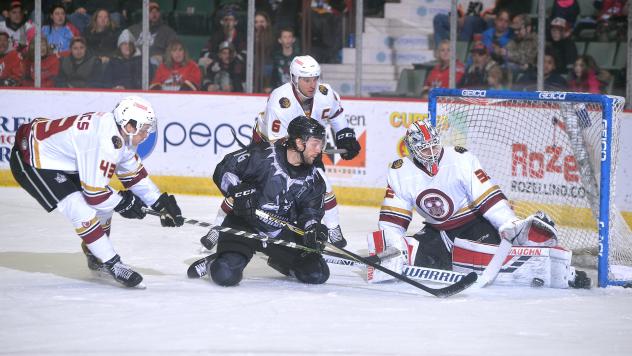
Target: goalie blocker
[536,261]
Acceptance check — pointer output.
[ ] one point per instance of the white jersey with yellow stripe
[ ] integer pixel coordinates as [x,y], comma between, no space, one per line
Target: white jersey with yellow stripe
[459,191]
[91,145]
[283,106]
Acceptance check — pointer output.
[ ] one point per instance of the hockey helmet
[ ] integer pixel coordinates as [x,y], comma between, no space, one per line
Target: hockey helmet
[303,67]
[303,127]
[135,110]
[424,144]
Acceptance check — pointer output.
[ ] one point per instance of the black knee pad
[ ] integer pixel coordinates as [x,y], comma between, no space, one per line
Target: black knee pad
[227,269]
[310,268]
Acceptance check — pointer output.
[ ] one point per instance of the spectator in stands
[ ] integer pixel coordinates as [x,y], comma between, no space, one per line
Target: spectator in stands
[125,68]
[566,9]
[226,74]
[497,37]
[49,67]
[552,79]
[583,77]
[177,72]
[563,47]
[282,57]
[11,70]
[80,69]
[611,20]
[16,26]
[83,10]
[476,74]
[229,33]
[161,34]
[101,36]
[326,30]
[521,52]
[264,44]
[473,18]
[439,76]
[59,32]
[283,13]
[497,78]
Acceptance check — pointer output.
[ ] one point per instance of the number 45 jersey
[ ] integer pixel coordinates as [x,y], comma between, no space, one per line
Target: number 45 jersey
[91,146]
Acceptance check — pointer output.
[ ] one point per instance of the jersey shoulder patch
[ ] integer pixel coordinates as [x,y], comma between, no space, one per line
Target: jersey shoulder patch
[460,149]
[397,164]
[284,102]
[323,89]
[117,142]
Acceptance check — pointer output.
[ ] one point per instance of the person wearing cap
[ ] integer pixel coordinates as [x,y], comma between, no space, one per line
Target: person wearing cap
[522,50]
[476,74]
[11,70]
[16,26]
[177,71]
[125,68]
[81,69]
[563,47]
[229,33]
[160,34]
[227,73]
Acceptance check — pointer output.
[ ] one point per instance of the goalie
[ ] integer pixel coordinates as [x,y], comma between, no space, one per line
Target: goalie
[465,214]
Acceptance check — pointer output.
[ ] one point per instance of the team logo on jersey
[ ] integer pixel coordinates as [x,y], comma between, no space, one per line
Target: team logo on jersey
[117,142]
[397,164]
[436,204]
[60,178]
[323,89]
[460,149]
[284,102]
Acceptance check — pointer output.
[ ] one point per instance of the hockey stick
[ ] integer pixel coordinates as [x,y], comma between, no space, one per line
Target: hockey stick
[496,263]
[331,151]
[452,289]
[241,233]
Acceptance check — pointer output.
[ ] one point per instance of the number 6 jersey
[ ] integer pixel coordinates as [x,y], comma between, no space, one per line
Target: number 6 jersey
[91,146]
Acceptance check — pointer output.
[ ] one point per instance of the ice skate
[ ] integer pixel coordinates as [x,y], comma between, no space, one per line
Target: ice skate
[336,238]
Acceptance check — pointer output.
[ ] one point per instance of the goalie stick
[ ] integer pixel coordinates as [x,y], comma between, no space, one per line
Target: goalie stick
[444,292]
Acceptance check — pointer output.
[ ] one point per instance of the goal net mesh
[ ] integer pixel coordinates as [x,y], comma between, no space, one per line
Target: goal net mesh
[546,156]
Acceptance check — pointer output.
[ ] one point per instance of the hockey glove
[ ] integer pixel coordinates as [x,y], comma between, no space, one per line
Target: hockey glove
[170,214]
[130,207]
[315,236]
[346,139]
[245,199]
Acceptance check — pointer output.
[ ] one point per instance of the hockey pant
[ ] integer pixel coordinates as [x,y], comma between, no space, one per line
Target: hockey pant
[307,267]
[58,189]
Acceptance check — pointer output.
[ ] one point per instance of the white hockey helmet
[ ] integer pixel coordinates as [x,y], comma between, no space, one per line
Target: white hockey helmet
[137,110]
[424,144]
[303,67]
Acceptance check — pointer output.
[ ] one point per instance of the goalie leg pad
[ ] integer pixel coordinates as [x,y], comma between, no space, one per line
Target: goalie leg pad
[524,264]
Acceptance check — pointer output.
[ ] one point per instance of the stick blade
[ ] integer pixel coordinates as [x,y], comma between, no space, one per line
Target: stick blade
[457,287]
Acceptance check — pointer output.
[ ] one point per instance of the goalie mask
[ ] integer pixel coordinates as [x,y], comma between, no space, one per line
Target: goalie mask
[139,113]
[303,67]
[423,143]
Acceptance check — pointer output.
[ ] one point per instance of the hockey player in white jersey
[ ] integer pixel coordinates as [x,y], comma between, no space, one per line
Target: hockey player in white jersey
[305,95]
[67,164]
[457,199]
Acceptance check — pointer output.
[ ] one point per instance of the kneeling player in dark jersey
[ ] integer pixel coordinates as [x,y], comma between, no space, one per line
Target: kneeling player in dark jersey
[279,179]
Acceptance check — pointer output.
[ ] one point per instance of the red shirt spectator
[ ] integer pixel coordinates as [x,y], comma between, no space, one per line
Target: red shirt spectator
[11,70]
[584,76]
[50,66]
[177,72]
[439,76]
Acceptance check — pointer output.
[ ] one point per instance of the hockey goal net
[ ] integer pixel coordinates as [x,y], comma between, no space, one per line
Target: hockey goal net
[549,151]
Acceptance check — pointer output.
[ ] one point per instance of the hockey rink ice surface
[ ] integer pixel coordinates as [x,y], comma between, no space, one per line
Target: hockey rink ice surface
[50,304]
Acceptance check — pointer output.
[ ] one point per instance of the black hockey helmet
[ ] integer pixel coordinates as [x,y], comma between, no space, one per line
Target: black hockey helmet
[303,127]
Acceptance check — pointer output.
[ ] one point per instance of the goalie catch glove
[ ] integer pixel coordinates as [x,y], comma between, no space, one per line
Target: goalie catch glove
[170,214]
[346,139]
[537,229]
[130,206]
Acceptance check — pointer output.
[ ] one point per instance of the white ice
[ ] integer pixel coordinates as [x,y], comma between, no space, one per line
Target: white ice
[51,304]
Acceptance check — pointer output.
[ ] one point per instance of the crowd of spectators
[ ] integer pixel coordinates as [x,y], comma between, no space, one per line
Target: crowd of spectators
[96,44]
[504,46]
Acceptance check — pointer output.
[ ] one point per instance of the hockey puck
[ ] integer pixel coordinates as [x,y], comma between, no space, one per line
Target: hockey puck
[537,283]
